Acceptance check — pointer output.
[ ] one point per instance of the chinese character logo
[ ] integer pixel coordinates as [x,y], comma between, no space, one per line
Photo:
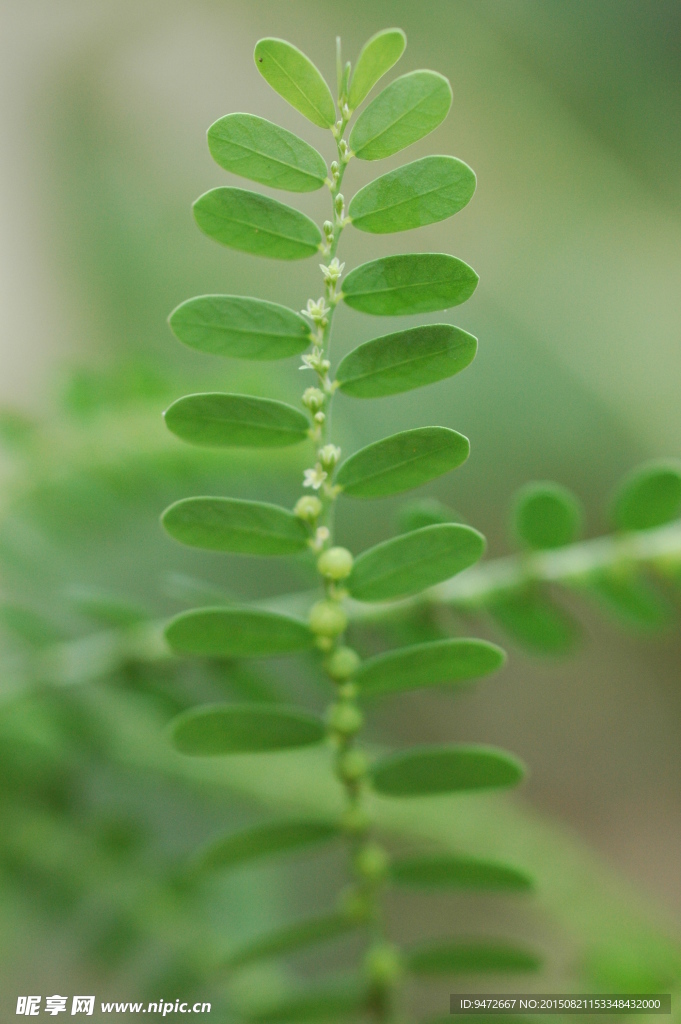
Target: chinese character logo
[28,1006]
[55,1005]
[83,1004]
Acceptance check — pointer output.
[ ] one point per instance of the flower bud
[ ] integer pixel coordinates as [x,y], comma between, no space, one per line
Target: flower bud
[327,618]
[308,508]
[335,564]
[329,455]
[313,399]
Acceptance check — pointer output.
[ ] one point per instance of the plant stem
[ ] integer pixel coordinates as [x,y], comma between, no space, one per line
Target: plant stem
[368,860]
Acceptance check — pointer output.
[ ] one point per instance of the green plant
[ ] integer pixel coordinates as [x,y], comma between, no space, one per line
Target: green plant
[431,551]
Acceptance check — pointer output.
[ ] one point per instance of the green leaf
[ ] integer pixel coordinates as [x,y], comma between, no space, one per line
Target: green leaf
[649,496]
[230,524]
[426,512]
[414,561]
[263,841]
[294,76]
[216,420]
[424,771]
[418,282]
[292,938]
[239,327]
[326,1002]
[448,871]
[546,515]
[406,360]
[437,663]
[469,957]
[407,109]
[534,621]
[377,57]
[631,598]
[402,461]
[423,192]
[261,151]
[243,729]
[257,224]
[236,633]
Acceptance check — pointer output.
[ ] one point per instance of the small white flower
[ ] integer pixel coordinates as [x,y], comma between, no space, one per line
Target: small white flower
[314,477]
[317,312]
[312,361]
[333,272]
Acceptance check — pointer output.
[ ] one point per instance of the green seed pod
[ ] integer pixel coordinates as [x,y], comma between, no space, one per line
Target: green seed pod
[372,862]
[383,964]
[342,664]
[335,564]
[352,766]
[327,619]
[345,719]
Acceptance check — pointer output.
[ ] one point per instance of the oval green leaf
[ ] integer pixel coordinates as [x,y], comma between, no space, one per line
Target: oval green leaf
[257,224]
[264,840]
[457,872]
[438,663]
[425,771]
[470,957]
[423,192]
[405,360]
[414,561]
[216,420]
[649,496]
[535,622]
[230,524]
[261,151]
[296,79]
[377,57]
[292,938]
[326,1002]
[240,327]
[243,729]
[402,461]
[236,633]
[407,110]
[546,515]
[418,282]
[631,598]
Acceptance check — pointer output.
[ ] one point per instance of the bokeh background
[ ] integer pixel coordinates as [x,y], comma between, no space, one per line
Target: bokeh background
[569,113]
